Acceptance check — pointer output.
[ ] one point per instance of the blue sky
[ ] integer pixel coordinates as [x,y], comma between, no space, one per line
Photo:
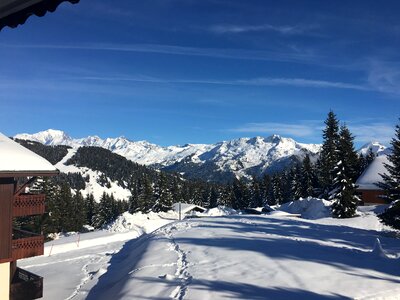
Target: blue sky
[188,71]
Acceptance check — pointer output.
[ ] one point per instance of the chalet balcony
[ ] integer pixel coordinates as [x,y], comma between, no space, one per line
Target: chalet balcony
[26,244]
[28,205]
[26,285]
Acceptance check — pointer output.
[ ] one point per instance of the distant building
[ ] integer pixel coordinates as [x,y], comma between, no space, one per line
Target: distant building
[18,164]
[370,192]
[188,209]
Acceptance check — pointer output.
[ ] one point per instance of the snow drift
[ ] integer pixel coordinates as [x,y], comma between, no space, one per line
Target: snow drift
[309,208]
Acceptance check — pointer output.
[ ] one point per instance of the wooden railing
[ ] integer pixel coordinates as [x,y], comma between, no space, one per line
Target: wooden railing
[26,285]
[28,205]
[26,244]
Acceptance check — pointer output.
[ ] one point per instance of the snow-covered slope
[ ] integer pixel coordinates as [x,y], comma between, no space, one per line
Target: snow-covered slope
[92,184]
[229,257]
[239,157]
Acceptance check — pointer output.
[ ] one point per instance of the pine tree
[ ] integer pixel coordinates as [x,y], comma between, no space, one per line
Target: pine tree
[347,154]
[90,208]
[214,197]
[296,184]
[391,179]
[78,212]
[328,158]
[255,194]
[345,199]
[104,213]
[164,196]
[307,177]
[277,189]
[391,183]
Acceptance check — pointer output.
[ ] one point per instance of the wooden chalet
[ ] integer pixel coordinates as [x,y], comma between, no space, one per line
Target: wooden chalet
[368,182]
[19,164]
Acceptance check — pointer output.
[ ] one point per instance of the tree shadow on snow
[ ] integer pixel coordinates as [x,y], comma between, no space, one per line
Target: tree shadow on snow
[270,243]
[235,290]
[120,266]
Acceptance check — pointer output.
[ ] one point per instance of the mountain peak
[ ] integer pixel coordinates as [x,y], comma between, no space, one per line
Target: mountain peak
[47,137]
[374,146]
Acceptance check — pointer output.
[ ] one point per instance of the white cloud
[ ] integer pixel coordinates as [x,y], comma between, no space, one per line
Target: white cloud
[381,132]
[384,77]
[297,82]
[284,29]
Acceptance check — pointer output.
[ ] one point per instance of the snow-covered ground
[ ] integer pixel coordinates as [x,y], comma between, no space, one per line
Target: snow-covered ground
[275,256]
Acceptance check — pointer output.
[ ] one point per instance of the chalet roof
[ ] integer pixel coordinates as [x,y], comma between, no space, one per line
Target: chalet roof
[369,178]
[17,161]
[16,12]
[186,207]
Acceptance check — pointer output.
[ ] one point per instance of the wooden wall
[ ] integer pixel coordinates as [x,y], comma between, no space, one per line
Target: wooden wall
[6,209]
[372,196]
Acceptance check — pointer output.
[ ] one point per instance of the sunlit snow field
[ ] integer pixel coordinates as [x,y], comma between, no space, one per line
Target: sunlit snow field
[276,256]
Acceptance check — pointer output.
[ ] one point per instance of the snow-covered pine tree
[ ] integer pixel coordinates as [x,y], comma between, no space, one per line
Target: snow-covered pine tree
[277,189]
[344,196]
[328,158]
[146,196]
[391,183]
[104,212]
[164,196]
[296,184]
[214,197]
[307,177]
[79,212]
[90,208]
[255,194]
[391,180]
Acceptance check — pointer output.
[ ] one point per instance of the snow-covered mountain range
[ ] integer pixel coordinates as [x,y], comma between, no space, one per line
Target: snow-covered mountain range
[222,161]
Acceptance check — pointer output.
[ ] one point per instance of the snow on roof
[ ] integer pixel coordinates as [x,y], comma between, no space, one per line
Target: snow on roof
[369,178]
[185,207]
[16,159]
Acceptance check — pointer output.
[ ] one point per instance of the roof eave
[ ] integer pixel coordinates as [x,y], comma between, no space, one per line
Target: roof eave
[16,14]
[8,174]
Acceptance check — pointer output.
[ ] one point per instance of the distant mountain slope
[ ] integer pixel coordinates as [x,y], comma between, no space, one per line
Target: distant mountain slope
[220,162]
[223,161]
[95,170]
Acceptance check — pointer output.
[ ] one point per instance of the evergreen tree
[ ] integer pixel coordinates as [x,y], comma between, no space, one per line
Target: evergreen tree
[277,189]
[296,185]
[307,177]
[164,201]
[145,197]
[65,208]
[345,200]
[90,208]
[391,179]
[78,212]
[347,154]
[214,197]
[328,158]
[344,196]
[391,183]
[241,195]
[255,194]
[105,213]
